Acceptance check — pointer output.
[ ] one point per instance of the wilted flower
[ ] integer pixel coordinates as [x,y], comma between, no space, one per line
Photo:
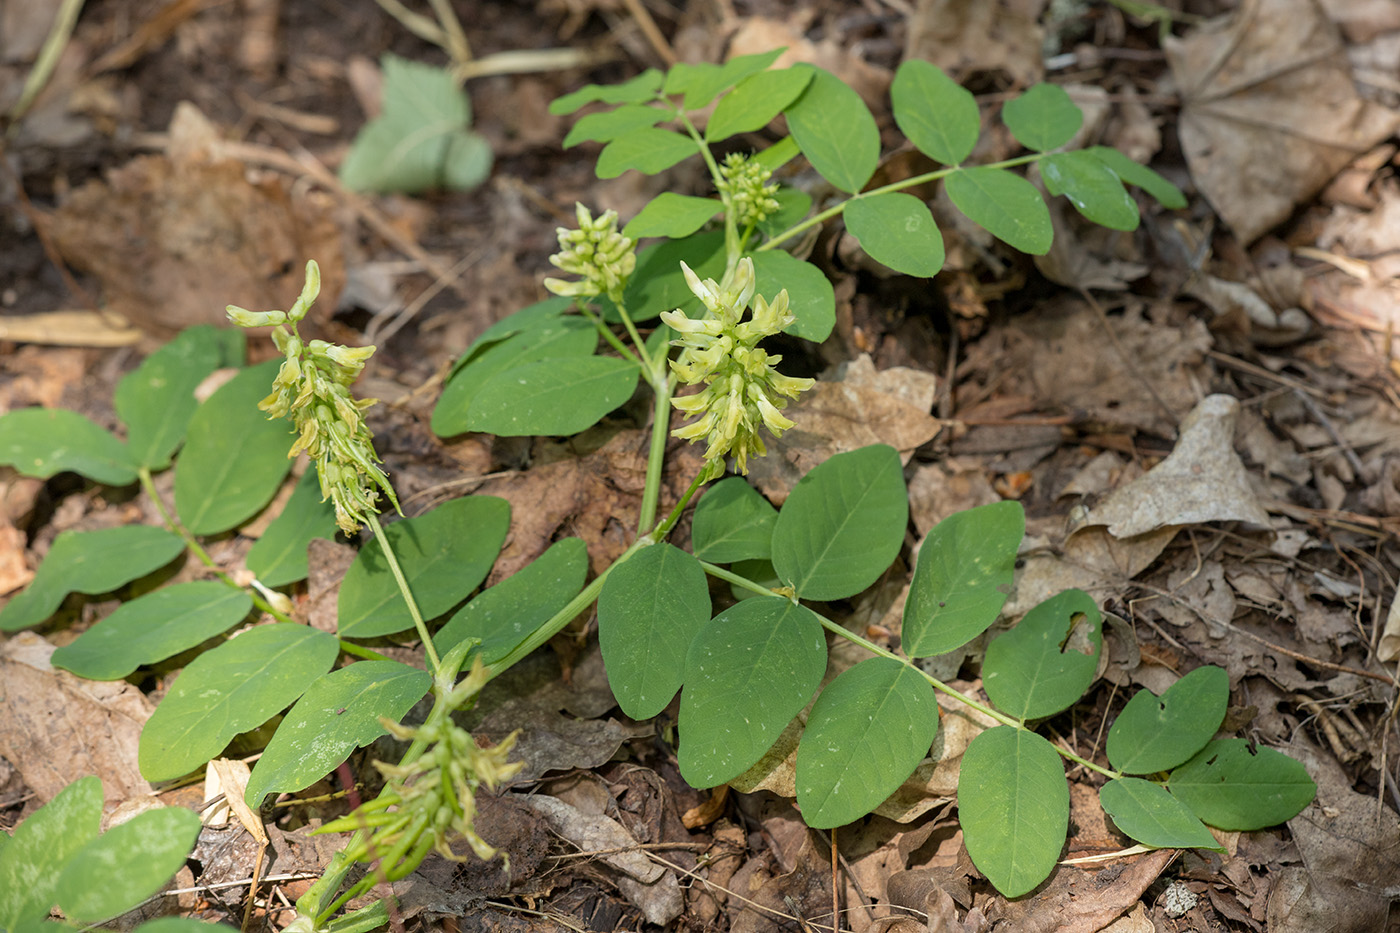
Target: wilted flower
[743,390]
[596,251]
[744,183]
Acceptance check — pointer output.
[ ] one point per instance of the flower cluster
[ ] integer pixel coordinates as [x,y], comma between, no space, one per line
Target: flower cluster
[743,182]
[596,251]
[743,390]
[312,388]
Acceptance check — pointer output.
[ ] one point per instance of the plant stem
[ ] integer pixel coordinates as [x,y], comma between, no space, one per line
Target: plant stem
[609,336]
[663,529]
[434,663]
[360,651]
[662,386]
[647,366]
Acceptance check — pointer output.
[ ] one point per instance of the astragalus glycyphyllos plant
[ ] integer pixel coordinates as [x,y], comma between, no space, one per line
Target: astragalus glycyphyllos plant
[719,283]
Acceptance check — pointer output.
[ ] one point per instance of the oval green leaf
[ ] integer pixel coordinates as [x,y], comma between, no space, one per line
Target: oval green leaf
[1153,817]
[672,215]
[1234,786]
[649,611]
[810,295]
[962,577]
[236,687]
[1135,173]
[338,714]
[1048,660]
[1006,205]
[866,734]
[34,857]
[938,115]
[610,124]
[732,522]
[702,82]
[633,91]
[444,554]
[755,102]
[843,524]
[539,314]
[794,205]
[89,562]
[648,150]
[552,397]
[1043,118]
[506,614]
[279,556]
[126,864]
[1013,802]
[898,230]
[1092,187]
[157,400]
[747,673]
[835,130]
[40,442]
[234,457]
[1158,733]
[154,627]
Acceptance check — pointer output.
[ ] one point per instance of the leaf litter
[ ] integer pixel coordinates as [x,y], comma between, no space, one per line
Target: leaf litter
[1266,546]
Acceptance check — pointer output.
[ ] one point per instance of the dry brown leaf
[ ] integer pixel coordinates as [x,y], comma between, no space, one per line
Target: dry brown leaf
[962,36]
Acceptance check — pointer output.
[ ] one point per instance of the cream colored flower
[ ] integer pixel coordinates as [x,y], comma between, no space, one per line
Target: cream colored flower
[598,253]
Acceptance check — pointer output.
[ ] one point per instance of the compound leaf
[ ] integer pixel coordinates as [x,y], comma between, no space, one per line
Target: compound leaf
[747,673]
[279,556]
[649,611]
[634,91]
[648,150]
[835,130]
[1006,205]
[866,734]
[610,124]
[1048,660]
[1233,785]
[154,627]
[1013,802]
[339,713]
[157,399]
[938,115]
[1135,173]
[843,524]
[898,230]
[1092,187]
[701,83]
[755,102]
[552,397]
[1043,118]
[127,864]
[231,689]
[89,562]
[1153,817]
[234,457]
[40,442]
[444,554]
[810,295]
[732,522]
[33,859]
[962,577]
[672,215]
[1158,733]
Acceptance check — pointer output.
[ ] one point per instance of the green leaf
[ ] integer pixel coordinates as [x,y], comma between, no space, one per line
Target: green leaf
[1233,785]
[1013,802]
[1153,817]
[503,616]
[279,556]
[810,295]
[539,314]
[1158,733]
[1043,118]
[89,562]
[1092,187]
[649,611]
[552,397]
[659,285]
[757,570]
[672,215]
[747,673]
[843,524]
[157,399]
[42,845]
[236,687]
[444,554]
[420,139]
[1135,173]
[234,457]
[755,103]
[938,115]
[40,442]
[339,713]
[648,150]
[154,627]
[897,230]
[555,338]
[701,83]
[1006,205]
[794,205]
[835,130]
[608,125]
[732,522]
[634,91]
[1048,660]
[126,864]
[962,577]
[866,734]
[779,154]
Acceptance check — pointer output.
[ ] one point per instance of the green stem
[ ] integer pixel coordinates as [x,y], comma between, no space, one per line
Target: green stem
[609,336]
[648,367]
[662,530]
[733,246]
[662,386]
[360,651]
[434,663]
